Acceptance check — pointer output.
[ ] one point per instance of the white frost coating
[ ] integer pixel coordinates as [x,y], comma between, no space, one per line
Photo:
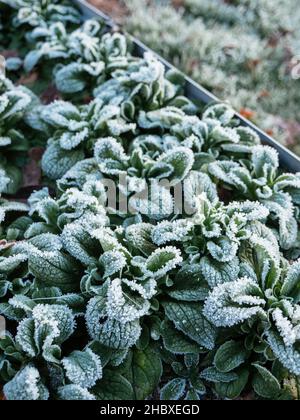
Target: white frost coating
[122,306]
[162,261]
[231,304]
[83,368]
[289,332]
[176,231]
[26,385]
[75,392]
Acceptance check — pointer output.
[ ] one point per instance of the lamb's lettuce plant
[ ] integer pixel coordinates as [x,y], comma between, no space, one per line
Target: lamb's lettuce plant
[191,289]
[79,59]
[35,13]
[23,17]
[143,84]
[55,46]
[5,204]
[262,305]
[14,144]
[261,179]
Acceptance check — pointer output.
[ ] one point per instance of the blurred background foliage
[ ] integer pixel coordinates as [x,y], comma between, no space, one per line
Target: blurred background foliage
[245,51]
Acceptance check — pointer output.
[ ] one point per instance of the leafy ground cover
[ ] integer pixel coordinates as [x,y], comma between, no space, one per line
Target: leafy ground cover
[148,246]
[246,52]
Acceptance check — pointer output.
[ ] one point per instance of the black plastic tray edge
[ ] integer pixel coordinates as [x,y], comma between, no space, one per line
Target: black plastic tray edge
[193,90]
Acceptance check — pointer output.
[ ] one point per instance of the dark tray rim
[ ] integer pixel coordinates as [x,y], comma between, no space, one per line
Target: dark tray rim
[195,91]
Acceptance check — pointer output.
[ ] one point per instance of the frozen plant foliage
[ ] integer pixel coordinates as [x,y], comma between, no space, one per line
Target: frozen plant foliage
[250,48]
[14,103]
[5,205]
[57,45]
[261,180]
[104,300]
[35,13]
[234,303]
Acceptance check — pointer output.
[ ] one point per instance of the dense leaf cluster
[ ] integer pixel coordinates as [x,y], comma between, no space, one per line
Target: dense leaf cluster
[244,51]
[193,299]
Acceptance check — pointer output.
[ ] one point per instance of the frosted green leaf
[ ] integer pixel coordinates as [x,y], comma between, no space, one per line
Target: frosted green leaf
[223,249]
[113,262]
[195,184]
[176,231]
[139,236]
[25,337]
[291,284]
[26,385]
[162,261]
[56,161]
[46,328]
[110,156]
[230,356]
[233,389]
[157,203]
[144,372]
[189,284]
[232,303]
[181,159]
[176,342]
[75,393]
[72,78]
[212,374]
[55,269]
[289,356]
[265,161]
[8,264]
[173,390]
[109,331]
[265,384]
[221,112]
[113,387]
[162,118]
[79,243]
[216,273]
[123,305]
[83,368]
[188,318]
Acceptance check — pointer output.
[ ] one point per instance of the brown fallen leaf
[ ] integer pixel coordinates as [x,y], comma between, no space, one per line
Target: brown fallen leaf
[51,94]
[28,79]
[32,174]
[252,64]
[10,54]
[177,4]
[247,113]
[114,8]
[264,94]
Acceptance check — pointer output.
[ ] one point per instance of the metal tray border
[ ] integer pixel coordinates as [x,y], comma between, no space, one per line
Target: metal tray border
[194,91]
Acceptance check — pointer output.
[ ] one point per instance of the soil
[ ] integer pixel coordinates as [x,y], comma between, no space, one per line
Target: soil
[114,8]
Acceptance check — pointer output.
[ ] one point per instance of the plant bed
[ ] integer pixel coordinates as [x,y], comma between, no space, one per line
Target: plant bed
[156,253]
[240,50]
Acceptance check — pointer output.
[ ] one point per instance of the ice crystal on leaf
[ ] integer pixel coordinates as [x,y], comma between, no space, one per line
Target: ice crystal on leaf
[161,261]
[109,331]
[263,182]
[14,103]
[175,231]
[34,13]
[83,369]
[122,304]
[230,304]
[26,385]
[45,330]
